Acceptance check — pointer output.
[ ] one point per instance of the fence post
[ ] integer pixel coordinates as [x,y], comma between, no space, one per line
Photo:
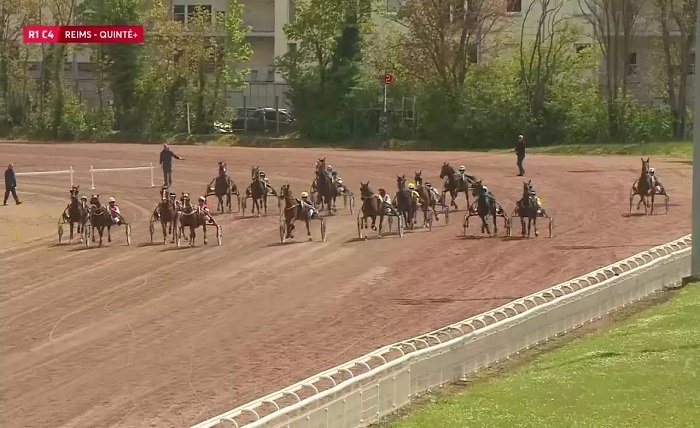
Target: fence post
[152,182]
[245,114]
[92,178]
[277,111]
[189,128]
[71,176]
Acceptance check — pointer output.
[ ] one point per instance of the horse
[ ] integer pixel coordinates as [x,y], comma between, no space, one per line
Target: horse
[258,191]
[644,188]
[326,187]
[167,214]
[191,216]
[527,207]
[427,197]
[485,207]
[76,212]
[372,207]
[455,185]
[294,210]
[223,186]
[405,204]
[100,218]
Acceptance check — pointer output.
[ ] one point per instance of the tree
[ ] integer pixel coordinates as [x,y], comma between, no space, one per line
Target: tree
[444,37]
[614,24]
[548,55]
[677,19]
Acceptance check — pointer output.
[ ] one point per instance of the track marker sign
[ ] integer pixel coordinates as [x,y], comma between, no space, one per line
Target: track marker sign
[388,79]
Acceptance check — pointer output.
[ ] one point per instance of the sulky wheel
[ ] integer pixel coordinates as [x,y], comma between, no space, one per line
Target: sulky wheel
[323,230]
[128,233]
[666,199]
[431,217]
[86,233]
[178,236]
[465,223]
[219,235]
[390,222]
[359,226]
[401,225]
[229,198]
[151,230]
[243,206]
[352,204]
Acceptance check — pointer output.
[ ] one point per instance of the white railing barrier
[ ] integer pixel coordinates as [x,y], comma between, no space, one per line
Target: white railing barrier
[360,392]
[68,171]
[133,168]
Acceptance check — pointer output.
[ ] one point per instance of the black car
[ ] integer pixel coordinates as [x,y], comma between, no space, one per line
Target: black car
[263,119]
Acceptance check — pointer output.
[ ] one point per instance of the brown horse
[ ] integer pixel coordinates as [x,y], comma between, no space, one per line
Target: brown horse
[294,210]
[326,187]
[428,199]
[257,191]
[167,214]
[76,212]
[644,188]
[191,216]
[372,207]
[100,218]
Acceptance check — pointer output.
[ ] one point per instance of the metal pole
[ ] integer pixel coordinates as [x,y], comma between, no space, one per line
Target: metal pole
[385,85]
[695,257]
[92,178]
[245,114]
[153,184]
[277,110]
[189,128]
[71,176]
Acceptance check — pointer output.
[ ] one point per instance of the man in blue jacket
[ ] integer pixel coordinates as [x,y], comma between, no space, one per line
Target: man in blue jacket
[166,162]
[10,185]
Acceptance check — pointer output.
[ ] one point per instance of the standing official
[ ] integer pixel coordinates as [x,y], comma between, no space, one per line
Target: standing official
[166,162]
[520,154]
[10,185]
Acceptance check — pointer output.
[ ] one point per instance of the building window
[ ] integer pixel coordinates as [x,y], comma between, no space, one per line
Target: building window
[514,6]
[291,11]
[179,13]
[632,64]
[253,75]
[220,16]
[87,67]
[292,48]
[270,75]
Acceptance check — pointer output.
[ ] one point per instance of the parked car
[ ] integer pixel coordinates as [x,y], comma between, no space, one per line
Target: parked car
[263,120]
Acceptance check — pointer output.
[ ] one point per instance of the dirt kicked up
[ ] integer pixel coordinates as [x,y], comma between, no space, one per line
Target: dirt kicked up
[151,335]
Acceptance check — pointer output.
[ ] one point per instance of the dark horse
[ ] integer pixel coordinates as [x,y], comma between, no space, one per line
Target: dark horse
[76,212]
[258,191]
[455,184]
[485,207]
[405,203]
[372,207]
[644,187]
[428,199]
[223,186]
[191,216]
[167,214]
[327,187]
[100,218]
[294,210]
[527,207]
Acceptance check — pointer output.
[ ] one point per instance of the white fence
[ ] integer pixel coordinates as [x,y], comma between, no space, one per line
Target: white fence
[135,168]
[362,391]
[68,171]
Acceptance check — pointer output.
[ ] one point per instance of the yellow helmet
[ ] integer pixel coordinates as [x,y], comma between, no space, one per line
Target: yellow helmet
[304,195]
[411,186]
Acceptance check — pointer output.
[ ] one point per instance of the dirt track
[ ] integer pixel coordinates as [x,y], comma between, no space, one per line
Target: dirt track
[152,336]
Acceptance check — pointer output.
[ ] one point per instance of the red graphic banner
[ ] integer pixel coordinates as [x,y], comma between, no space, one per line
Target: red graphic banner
[84,34]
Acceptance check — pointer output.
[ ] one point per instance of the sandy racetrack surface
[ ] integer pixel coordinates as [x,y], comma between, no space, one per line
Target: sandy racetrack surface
[151,335]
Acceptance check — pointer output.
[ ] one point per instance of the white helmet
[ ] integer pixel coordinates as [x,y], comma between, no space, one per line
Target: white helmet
[112,199]
[462,168]
[486,189]
[202,199]
[651,170]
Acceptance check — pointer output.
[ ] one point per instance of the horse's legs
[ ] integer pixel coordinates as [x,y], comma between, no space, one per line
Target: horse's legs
[71,231]
[652,202]
[101,231]
[522,223]
[109,232]
[495,223]
[453,195]
[534,224]
[204,231]
[164,225]
[374,222]
[381,223]
[308,229]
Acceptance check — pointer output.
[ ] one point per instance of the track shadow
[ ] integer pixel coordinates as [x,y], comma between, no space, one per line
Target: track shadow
[628,215]
[280,244]
[516,238]
[149,244]
[182,247]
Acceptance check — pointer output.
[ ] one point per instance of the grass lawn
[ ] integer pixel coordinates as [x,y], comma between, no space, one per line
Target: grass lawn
[680,149]
[643,372]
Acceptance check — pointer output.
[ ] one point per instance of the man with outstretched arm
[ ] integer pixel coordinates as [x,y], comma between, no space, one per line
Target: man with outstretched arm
[166,162]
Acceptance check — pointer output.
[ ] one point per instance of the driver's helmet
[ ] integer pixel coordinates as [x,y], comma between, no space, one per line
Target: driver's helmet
[173,195]
[427,184]
[334,173]
[329,168]
[411,186]
[262,173]
[340,181]
[382,190]
[202,199]
[651,171]
[83,198]
[304,195]
[462,168]
[112,200]
[486,189]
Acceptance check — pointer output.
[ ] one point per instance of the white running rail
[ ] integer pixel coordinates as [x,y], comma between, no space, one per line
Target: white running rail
[68,171]
[133,168]
[362,391]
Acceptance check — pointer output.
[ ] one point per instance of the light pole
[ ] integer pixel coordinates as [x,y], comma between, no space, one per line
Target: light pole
[695,257]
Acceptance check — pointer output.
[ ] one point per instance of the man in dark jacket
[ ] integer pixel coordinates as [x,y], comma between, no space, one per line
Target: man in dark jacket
[166,162]
[10,185]
[520,153]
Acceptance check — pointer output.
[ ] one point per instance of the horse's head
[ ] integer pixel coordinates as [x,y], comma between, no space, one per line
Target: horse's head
[321,166]
[417,177]
[255,173]
[365,191]
[222,168]
[74,192]
[401,182]
[527,188]
[95,200]
[285,191]
[446,170]
[186,202]
[479,189]
[645,166]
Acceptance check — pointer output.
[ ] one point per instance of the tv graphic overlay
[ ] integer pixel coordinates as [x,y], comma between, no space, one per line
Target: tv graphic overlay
[83,34]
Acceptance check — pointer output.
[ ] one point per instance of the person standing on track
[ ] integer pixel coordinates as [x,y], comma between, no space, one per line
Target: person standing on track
[10,184]
[166,162]
[520,154]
